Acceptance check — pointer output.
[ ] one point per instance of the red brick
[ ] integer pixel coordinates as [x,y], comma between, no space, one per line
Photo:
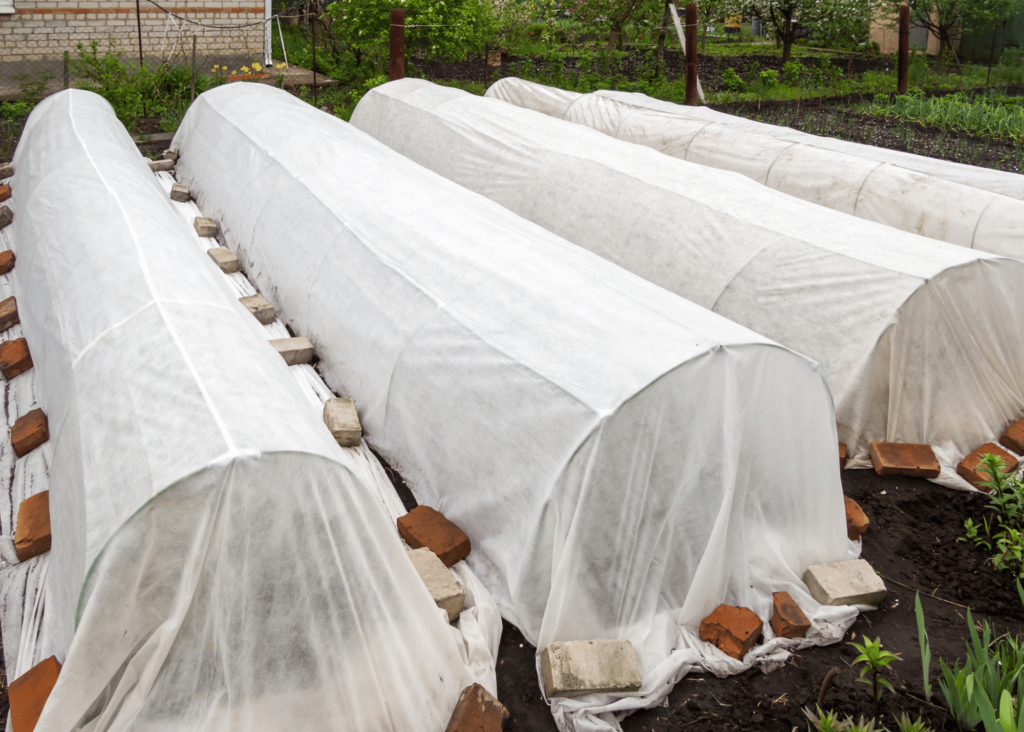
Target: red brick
[29,432]
[788,620]
[14,358]
[477,711]
[904,458]
[842,455]
[857,521]
[6,261]
[6,216]
[28,694]
[8,314]
[734,630]
[425,527]
[1013,438]
[969,467]
[32,534]
[5,192]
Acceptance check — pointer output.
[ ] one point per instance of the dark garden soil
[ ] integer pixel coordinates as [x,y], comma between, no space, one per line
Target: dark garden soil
[913,544]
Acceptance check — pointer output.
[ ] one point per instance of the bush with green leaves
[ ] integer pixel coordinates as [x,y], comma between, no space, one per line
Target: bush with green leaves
[732,81]
[792,73]
[1003,534]
[766,81]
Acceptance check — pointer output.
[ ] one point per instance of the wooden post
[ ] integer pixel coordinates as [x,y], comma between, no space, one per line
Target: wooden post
[193,67]
[138,19]
[312,26]
[397,67]
[67,70]
[691,55]
[903,72]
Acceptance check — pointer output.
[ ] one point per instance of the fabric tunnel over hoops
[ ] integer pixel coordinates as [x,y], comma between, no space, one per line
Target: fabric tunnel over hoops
[622,459]
[217,560]
[920,341]
[844,181]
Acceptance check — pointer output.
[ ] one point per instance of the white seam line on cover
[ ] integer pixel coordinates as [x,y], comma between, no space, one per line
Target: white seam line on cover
[856,201]
[977,224]
[232,449]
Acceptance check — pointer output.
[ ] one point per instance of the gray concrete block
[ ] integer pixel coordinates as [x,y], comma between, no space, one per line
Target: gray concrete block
[6,171]
[446,591]
[227,261]
[262,310]
[179,193]
[574,668]
[205,226]
[6,216]
[161,166]
[853,582]
[343,422]
[171,154]
[294,351]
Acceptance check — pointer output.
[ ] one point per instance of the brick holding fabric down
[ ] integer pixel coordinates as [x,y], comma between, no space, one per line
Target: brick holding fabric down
[5,192]
[294,351]
[342,420]
[14,358]
[1013,438]
[446,591]
[970,468]
[477,711]
[161,166]
[30,431]
[6,171]
[8,314]
[842,456]
[6,261]
[205,226]
[32,532]
[734,630]
[28,694]
[852,582]
[788,620]
[6,216]
[857,522]
[179,192]
[170,154]
[426,527]
[575,668]
[225,260]
[904,458]
[262,310]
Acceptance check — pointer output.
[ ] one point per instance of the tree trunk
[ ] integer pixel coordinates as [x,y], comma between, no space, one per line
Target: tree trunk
[662,35]
[787,45]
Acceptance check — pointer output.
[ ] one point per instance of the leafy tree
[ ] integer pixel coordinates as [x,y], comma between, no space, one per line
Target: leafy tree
[947,19]
[828,17]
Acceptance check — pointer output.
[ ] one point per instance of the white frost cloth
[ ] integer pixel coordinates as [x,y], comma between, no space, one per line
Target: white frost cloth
[844,181]
[920,341]
[621,459]
[218,562]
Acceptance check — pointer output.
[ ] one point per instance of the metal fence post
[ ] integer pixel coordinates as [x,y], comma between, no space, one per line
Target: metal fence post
[903,72]
[691,55]
[67,70]
[193,67]
[396,68]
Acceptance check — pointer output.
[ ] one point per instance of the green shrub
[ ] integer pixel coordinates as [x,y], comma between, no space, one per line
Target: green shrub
[792,72]
[731,81]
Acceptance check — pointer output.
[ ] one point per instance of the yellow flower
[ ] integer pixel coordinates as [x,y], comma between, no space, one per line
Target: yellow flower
[256,66]
[215,67]
[245,69]
[280,66]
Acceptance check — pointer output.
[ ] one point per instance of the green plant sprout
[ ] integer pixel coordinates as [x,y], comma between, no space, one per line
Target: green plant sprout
[873,660]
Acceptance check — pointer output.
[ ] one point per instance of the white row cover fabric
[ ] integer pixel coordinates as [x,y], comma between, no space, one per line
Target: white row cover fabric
[920,341]
[866,188]
[621,459]
[217,562]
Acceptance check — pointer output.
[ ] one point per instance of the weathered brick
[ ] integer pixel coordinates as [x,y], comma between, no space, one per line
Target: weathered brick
[857,521]
[32,533]
[170,154]
[5,192]
[6,216]
[970,467]
[904,458]
[6,171]
[262,310]
[477,711]
[852,582]
[8,314]
[225,260]
[734,630]
[179,193]
[788,620]
[1013,438]
[574,668]
[30,431]
[14,358]
[6,261]
[446,591]
[342,420]
[28,694]
[205,226]
[425,527]
[842,455]
[160,166]
[295,351]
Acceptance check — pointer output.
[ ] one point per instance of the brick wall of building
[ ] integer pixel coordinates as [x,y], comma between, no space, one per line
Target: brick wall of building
[45,29]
